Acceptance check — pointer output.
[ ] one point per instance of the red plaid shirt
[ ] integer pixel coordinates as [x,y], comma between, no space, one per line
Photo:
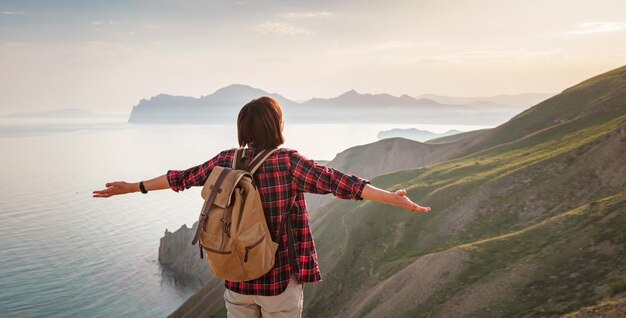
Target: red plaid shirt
[284,175]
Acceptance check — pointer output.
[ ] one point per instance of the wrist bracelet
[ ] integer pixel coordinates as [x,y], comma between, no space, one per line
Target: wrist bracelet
[142,188]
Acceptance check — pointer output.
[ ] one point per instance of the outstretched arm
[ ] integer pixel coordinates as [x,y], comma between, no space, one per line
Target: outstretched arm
[313,178]
[177,180]
[121,187]
[397,198]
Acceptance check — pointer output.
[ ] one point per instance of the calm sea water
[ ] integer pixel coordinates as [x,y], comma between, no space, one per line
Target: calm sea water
[66,254]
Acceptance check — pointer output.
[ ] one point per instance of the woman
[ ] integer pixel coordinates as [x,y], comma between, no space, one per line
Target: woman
[281,180]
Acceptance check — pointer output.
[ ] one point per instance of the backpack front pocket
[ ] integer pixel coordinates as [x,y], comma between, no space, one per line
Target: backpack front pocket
[223,263]
[258,250]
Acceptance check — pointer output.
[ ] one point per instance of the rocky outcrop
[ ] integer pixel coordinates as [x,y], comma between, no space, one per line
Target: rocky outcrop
[177,254]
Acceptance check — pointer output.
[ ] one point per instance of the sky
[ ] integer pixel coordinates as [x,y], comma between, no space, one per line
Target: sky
[107,55]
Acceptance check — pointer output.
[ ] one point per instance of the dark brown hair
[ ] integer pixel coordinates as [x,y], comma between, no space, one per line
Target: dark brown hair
[260,122]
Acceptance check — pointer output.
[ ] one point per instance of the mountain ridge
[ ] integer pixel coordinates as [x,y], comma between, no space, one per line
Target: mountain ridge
[222,106]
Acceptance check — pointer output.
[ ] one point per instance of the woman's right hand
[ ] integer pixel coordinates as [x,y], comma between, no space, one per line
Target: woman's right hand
[402,201]
[116,188]
[397,198]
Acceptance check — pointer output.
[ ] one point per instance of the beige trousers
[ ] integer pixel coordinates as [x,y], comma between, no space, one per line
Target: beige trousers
[287,305]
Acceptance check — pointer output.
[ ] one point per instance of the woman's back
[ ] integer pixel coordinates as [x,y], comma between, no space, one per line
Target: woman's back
[282,179]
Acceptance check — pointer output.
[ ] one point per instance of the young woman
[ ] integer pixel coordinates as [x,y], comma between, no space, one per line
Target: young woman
[281,180]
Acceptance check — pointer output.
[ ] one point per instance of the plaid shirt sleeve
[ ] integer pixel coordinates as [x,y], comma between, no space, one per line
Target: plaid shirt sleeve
[179,180]
[314,178]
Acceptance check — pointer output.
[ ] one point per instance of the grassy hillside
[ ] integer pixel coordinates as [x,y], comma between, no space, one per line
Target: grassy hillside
[601,94]
[499,189]
[541,270]
[473,198]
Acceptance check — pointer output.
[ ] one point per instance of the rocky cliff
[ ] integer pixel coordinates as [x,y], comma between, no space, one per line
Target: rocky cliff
[177,254]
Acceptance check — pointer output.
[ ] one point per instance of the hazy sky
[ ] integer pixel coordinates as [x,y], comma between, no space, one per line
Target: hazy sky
[107,55]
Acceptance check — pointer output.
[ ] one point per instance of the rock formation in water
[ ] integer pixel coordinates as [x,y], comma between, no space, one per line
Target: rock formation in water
[177,254]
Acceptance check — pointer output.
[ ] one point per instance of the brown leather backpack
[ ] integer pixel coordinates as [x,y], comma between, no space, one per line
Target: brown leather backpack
[232,229]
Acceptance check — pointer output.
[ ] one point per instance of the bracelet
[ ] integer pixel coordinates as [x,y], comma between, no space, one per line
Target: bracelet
[142,188]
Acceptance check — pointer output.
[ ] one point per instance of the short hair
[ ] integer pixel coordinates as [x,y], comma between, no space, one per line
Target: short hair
[260,124]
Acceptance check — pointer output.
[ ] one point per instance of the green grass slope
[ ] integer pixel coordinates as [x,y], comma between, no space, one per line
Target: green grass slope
[605,93]
[502,188]
[560,264]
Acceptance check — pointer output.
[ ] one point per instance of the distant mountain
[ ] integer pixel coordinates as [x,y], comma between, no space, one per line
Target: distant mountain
[517,100]
[527,220]
[355,99]
[354,107]
[223,105]
[59,113]
[414,134]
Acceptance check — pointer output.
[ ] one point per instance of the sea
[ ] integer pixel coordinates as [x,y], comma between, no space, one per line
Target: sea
[64,253]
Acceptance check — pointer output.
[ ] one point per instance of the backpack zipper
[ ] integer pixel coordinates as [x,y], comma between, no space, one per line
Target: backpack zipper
[251,246]
[215,251]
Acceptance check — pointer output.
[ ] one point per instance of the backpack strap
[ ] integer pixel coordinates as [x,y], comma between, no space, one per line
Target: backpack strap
[207,205]
[285,224]
[259,159]
[255,163]
[238,163]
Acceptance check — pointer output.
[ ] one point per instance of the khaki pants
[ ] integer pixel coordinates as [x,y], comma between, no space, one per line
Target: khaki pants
[287,305]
